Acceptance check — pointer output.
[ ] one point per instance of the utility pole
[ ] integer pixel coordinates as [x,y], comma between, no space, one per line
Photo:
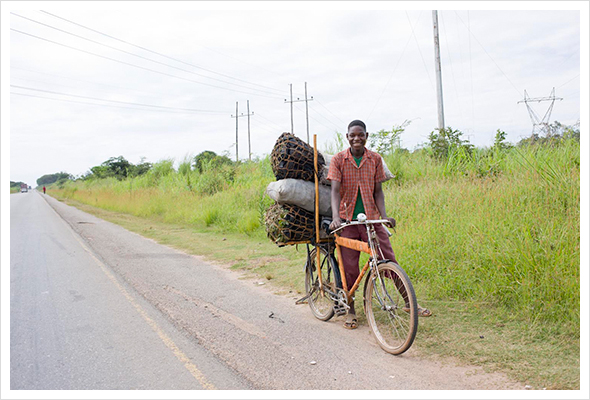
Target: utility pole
[249,145]
[540,125]
[307,112]
[236,117]
[439,92]
[306,108]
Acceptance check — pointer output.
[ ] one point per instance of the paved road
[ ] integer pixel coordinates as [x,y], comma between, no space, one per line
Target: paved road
[76,325]
[94,306]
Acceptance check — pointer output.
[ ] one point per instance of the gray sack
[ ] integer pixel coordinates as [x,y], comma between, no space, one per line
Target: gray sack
[300,193]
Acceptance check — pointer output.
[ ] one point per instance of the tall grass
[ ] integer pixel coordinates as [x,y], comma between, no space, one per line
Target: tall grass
[486,226]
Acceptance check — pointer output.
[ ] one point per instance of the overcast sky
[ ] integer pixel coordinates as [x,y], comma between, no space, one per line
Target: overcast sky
[172,76]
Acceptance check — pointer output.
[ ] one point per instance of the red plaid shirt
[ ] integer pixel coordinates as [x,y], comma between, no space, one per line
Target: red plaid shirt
[343,169]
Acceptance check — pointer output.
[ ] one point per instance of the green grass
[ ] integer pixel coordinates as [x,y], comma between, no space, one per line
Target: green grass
[490,240]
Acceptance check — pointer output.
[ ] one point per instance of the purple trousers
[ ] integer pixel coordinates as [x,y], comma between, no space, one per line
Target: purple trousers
[350,258]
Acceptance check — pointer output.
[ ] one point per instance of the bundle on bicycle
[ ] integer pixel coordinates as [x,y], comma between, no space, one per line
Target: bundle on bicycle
[356,205]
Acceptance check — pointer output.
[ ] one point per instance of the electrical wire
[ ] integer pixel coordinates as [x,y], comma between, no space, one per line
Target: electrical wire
[321,104]
[268,120]
[491,58]
[139,56]
[394,68]
[160,54]
[577,76]
[140,67]
[82,80]
[324,117]
[451,64]
[420,51]
[115,101]
[319,122]
[100,105]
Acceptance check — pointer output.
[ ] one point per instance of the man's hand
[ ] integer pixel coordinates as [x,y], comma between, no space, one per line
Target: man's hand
[391,221]
[335,224]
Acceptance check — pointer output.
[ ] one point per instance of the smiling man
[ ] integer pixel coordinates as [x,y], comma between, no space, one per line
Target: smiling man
[356,175]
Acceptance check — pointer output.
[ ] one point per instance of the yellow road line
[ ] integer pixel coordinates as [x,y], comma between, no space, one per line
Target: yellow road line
[183,358]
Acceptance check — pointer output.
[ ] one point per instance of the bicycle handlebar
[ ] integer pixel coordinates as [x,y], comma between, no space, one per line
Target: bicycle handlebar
[366,222]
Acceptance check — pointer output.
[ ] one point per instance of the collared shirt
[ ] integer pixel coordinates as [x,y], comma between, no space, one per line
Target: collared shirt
[353,178]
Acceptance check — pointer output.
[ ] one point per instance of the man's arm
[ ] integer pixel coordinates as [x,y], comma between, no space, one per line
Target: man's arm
[380,203]
[335,201]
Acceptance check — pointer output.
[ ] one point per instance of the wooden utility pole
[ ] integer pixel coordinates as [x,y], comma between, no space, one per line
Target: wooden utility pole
[439,92]
[306,108]
[236,117]
[249,145]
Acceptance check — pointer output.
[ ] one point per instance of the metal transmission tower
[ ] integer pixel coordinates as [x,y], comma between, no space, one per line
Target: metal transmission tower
[306,109]
[540,125]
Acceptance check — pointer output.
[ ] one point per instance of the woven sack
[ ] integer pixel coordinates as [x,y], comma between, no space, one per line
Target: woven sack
[286,223]
[300,193]
[292,158]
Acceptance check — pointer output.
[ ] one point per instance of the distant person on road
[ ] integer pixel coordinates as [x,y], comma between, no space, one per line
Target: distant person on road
[356,175]
[43,189]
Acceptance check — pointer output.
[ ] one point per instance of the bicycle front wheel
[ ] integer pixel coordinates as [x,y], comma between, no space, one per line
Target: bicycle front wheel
[391,308]
[322,306]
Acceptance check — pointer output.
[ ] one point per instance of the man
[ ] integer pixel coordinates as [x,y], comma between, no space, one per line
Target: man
[43,189]
[356,175]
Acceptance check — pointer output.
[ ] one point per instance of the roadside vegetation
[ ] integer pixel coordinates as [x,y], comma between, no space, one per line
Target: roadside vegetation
[489,236]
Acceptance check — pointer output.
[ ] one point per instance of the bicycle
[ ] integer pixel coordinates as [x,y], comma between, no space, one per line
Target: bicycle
[390,302]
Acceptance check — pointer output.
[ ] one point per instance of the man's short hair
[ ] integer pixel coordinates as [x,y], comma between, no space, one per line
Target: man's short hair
[357,122]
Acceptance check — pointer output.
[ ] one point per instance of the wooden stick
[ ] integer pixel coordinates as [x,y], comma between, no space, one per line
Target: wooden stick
[317,211]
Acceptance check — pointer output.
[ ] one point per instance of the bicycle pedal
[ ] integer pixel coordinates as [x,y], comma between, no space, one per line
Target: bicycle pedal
[340,309]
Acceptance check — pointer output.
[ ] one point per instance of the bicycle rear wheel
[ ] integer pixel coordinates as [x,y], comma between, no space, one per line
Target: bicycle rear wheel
[391,308]
[322,306]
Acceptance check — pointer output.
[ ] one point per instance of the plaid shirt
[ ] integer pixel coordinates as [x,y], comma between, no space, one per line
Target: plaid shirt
[343,169]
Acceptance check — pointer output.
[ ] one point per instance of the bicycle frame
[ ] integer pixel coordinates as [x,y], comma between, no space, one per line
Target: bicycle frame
[371,247]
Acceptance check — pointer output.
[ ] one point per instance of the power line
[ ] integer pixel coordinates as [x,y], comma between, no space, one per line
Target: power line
[115,101]
[137,55]
[160,54]
[324,117]
[81,80]
[100,105]
[321,104]
[137,66]
[577,76]
[277,126]
[451,65]
[420,51]
[394,68]
[485,51]
[319,122]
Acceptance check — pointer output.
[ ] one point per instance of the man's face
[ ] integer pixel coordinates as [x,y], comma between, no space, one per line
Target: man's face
[357,137]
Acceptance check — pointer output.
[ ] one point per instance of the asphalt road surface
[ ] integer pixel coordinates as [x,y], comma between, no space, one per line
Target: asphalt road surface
[94,306]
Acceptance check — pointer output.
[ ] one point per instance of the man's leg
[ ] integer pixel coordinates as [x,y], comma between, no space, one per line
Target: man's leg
[350,262]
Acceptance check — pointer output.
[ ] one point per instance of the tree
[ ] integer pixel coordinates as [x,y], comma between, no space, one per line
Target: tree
[556,133]
[210,160]
[500,142]
[441,142]
[52,178]
[384,142]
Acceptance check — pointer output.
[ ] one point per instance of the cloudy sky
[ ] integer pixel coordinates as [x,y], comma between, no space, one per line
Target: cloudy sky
[90,81]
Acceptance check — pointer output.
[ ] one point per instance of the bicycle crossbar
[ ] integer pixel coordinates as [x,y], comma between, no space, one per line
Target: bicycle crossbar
[353,244]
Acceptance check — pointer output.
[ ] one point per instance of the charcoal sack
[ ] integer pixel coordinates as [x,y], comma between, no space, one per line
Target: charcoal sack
[292,158]
[287,223]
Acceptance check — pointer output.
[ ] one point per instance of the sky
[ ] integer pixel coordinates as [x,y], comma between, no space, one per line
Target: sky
[153,81]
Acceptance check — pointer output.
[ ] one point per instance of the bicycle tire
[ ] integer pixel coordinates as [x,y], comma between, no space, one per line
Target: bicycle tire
[393,328]
[322,307]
